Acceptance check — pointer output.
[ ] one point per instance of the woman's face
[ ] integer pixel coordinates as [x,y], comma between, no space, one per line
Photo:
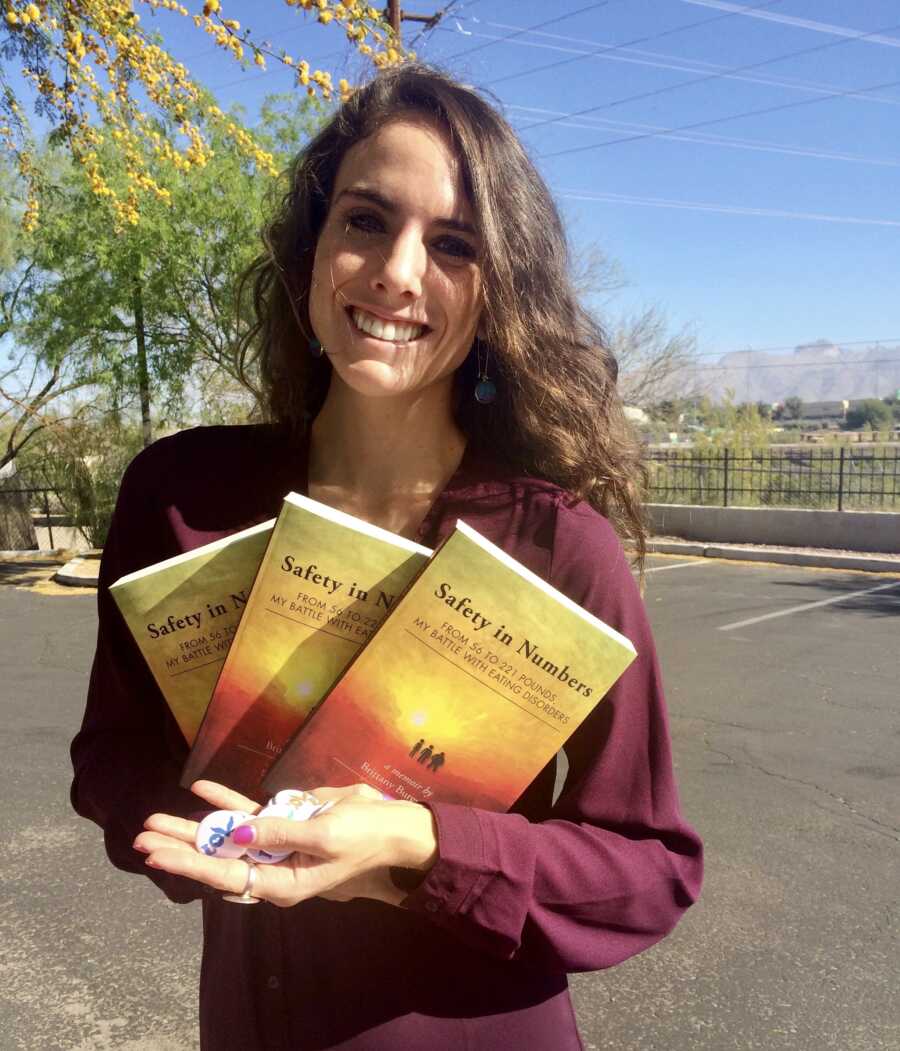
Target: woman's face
[396,290]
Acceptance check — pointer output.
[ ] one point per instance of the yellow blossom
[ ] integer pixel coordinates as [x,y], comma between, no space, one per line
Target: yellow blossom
[139,71]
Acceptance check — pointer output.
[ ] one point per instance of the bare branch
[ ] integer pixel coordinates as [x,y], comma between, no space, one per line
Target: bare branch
[653,362]
[9,300]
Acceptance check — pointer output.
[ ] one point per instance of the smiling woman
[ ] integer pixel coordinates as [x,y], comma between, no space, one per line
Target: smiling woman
[423,359]
[396,284]
[555,412]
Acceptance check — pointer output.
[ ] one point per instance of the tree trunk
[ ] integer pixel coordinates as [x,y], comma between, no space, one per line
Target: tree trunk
[140,340]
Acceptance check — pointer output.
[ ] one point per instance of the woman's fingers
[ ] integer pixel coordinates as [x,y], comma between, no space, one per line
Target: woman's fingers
[147,842]
[225,875]
[279,835]
[176,827]
[335,851]
[223,798]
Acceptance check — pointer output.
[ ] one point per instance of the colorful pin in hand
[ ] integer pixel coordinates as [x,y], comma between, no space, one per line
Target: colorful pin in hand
[215,835]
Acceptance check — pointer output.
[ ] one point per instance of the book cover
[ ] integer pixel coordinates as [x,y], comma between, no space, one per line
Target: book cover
[326,582]
[183,614]
[468,689]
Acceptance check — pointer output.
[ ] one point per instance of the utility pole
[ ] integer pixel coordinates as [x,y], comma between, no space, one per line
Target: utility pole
[396,17]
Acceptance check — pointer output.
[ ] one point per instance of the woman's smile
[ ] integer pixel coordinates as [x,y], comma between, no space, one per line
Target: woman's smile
[385,330]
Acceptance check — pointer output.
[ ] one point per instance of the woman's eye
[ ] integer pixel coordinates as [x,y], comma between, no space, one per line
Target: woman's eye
[455,247]
[363,222]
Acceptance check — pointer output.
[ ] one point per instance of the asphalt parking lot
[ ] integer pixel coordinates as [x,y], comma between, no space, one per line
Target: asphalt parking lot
[782,688]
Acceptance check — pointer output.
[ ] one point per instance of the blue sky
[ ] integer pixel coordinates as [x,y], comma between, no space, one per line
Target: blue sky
[763,230]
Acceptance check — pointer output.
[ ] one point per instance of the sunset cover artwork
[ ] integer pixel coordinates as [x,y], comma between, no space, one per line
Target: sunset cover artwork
[184,612]
[326,582]
[469,688]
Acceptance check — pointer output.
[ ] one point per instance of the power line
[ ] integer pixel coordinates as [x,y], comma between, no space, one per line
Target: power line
[797,23]
[725,209]
[794,365]
[611,53]
[703,139]
[627,43]
[443,14]
[839,343]
[529,29]
[706,78]
[709,123]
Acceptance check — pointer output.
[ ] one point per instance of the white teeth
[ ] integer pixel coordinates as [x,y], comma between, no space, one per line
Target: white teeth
[390,331]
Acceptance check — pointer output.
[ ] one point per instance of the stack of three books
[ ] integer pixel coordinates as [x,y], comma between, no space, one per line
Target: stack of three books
[318,649]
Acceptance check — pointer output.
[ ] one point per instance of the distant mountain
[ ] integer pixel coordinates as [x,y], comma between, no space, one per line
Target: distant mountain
[819,371]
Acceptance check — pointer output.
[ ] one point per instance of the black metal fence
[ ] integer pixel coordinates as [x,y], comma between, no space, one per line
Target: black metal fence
[20,510]
[843,478]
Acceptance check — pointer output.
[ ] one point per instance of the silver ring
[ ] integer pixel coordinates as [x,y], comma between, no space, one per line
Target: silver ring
[246,895]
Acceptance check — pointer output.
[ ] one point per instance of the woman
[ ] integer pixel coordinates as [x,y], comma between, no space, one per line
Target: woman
[423,358]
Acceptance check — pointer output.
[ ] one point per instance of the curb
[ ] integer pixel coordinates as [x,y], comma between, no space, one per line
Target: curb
[83,571]
[79,573]
[43,554]
[818,559]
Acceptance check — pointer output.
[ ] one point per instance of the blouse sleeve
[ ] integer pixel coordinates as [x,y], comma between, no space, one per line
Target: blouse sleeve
[614,865]
[128,754]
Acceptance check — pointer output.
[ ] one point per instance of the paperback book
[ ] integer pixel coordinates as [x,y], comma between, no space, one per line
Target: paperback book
[184,612]
[466,691]
[326,582]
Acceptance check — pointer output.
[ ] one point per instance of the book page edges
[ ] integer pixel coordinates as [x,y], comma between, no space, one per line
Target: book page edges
[532,578]
[356,524]
[196,552]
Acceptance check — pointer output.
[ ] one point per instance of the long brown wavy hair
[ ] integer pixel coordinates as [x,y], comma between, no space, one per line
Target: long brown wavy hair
[557,414]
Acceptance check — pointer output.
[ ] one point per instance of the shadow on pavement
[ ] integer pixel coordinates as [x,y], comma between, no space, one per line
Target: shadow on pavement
[24,574]
[877,603]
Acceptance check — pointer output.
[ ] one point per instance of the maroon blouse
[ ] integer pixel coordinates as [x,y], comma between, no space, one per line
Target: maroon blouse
[478,957]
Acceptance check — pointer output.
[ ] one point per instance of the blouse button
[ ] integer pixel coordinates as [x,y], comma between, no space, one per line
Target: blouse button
[273,982]
[432,906]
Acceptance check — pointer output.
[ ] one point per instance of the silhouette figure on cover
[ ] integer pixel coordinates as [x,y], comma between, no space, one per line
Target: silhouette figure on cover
[427,755]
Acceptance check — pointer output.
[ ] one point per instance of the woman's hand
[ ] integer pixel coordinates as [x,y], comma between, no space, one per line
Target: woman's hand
[343,853]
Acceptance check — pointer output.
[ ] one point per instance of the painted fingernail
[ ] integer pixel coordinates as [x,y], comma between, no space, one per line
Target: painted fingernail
[215,834]
[244,835]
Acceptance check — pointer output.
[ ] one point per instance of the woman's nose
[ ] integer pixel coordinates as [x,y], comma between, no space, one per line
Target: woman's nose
[401,269]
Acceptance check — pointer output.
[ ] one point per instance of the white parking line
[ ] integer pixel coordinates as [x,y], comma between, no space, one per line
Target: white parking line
[680,565]
[808,605]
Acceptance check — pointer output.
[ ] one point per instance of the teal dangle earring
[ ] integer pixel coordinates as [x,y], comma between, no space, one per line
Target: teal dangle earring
[485,388]
[315,348]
